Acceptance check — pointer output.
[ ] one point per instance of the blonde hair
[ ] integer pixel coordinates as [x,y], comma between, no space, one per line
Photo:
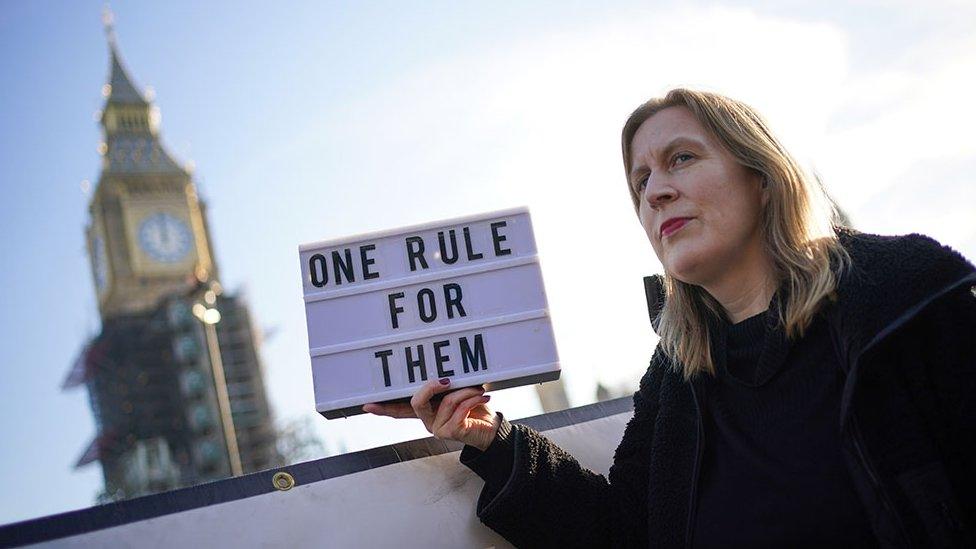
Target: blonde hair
[797,226]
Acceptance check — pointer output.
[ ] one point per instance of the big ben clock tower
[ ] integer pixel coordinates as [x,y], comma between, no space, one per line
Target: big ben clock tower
[174,377]
[148,235]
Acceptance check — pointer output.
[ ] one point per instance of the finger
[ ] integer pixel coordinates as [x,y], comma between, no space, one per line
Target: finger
[420,402]
[455,426]
[447,406]
[390,409]
[464,409]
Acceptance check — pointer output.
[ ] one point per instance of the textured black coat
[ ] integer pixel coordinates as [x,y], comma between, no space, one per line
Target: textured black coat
[904,328]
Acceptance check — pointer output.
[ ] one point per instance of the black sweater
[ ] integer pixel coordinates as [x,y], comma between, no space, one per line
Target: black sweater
[772,471]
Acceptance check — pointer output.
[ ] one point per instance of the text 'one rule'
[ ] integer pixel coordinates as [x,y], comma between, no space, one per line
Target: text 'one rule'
[419,251]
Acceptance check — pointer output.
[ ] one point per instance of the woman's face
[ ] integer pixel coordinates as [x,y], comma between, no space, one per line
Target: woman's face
[708,204]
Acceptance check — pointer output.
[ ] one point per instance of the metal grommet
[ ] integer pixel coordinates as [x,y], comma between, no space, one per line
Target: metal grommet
[972,290]
[282,481]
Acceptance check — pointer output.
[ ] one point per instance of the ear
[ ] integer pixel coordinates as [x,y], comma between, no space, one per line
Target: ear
[764,189]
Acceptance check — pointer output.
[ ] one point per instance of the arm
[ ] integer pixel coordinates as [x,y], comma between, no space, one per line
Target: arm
[944,390]
[537,495]
[922,395]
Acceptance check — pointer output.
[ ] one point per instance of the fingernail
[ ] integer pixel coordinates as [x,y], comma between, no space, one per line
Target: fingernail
[487,398]
[445,381]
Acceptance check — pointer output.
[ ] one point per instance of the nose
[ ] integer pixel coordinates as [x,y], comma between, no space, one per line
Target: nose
[659,192]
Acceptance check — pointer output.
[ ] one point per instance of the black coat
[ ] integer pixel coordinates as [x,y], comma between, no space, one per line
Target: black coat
[904,328]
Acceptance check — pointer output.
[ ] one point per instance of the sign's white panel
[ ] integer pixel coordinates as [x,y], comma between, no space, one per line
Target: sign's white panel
[461,298]
[376,258]
[470,357]
[437,304]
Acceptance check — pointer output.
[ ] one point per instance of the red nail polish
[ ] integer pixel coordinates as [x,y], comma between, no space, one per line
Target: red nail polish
[444,381]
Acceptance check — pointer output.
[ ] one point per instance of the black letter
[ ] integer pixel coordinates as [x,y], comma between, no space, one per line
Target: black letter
[394,309]
[467,356]
[431,314]
[367,261]
[318,281]
[440,238]
[497,239]
[453,301]
[346,266]
[417,253]
[383,355]
[441,359]
[467,244]
[411,364]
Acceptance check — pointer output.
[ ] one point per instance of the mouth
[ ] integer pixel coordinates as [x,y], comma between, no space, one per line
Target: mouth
[673,225]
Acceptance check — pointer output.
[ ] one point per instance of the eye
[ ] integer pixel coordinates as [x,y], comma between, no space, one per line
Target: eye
[681,158]
[640,184]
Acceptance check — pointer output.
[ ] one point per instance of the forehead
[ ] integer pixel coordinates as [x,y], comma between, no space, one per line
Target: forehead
[663,127]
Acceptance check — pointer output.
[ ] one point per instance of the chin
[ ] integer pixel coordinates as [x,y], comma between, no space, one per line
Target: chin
[686,267]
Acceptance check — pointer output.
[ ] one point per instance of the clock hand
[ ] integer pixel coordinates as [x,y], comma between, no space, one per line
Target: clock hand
[166,224]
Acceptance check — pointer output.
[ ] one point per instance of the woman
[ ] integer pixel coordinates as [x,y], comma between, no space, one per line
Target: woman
[812,385]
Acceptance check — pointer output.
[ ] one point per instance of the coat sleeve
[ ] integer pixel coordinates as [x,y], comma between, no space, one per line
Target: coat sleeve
[537,495]
[923,411]
[945,392]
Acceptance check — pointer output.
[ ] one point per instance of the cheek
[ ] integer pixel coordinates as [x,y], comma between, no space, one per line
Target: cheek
[730,212]
[739,220]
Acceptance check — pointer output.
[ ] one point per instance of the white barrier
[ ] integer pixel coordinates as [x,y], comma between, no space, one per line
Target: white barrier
[414,494]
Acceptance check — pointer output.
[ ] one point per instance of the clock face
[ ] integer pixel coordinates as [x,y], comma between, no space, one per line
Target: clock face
[101,263]
[165,237]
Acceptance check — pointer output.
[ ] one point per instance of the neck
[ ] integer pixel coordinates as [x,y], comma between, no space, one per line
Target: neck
[745,289]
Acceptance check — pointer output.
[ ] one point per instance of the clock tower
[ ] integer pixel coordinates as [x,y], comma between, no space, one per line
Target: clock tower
[174,377]
[147,237]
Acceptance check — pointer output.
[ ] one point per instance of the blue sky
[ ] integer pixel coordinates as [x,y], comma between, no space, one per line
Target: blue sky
[315,120]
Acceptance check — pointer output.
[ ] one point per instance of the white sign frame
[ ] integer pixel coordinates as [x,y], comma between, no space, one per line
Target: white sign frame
[461,298]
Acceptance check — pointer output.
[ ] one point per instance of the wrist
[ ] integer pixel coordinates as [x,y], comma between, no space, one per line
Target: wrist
[496,422]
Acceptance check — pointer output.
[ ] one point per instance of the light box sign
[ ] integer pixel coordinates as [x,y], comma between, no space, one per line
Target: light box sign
[460,298]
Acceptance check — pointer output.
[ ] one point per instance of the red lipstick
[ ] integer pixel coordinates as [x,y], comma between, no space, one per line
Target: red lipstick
[672,225]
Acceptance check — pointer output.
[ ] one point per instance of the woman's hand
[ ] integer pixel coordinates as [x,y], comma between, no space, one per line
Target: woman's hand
[461,415]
